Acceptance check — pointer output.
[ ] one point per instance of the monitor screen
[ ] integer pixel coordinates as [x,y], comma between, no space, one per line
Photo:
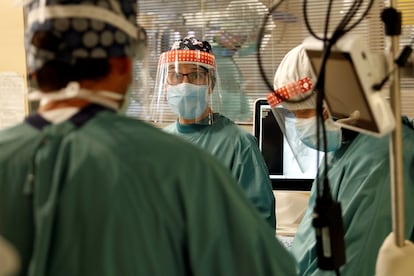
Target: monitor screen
[344,92]
[291,164]
[351,73]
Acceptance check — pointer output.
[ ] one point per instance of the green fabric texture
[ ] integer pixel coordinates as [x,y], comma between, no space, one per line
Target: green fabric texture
[359,177]
[117,196]
[237,150]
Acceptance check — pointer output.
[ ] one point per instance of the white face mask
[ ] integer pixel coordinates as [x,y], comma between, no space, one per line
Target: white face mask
[306,130]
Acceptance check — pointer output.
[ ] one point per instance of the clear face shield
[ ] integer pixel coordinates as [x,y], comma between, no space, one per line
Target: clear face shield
[136,99]
[304,130]
[292,108]
[302,156]
[186,88]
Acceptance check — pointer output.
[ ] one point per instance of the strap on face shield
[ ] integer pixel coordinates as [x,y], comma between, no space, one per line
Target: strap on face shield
[188,56]
[289,90]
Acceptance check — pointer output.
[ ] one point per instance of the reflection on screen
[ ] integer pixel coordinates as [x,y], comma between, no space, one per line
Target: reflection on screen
[284,154]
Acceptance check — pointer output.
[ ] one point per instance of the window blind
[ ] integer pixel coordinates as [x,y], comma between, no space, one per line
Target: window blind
[406,7]
[242,83]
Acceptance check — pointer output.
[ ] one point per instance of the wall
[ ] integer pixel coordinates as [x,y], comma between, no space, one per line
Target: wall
[12,55]
[13,83]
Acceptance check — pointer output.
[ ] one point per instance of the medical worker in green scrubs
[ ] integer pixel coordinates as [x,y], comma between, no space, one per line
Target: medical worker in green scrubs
[85,190]
[359,177]
[187,81]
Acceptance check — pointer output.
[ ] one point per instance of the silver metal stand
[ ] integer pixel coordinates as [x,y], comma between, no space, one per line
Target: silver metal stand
[396,159]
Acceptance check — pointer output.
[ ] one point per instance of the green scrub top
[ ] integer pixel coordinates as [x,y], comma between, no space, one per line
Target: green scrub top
[237,149]
[102,194]
[359,177]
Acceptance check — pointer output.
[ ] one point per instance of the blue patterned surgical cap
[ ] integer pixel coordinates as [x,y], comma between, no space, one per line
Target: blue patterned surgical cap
[82,28]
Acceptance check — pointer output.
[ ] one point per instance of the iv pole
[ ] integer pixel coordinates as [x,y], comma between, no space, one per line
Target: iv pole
[395,145]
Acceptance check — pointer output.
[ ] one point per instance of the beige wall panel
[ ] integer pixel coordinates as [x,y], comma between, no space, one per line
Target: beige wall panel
[12,55]
[13,84]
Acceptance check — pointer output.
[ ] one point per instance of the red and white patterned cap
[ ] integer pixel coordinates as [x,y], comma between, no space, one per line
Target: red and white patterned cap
[294,80]
[189,50]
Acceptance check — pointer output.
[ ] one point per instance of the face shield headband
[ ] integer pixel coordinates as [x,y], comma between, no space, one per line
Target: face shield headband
[184,87]
[187,56]
[287,92]
[292,94]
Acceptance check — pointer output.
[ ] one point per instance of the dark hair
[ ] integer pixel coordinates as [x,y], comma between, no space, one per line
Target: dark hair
[56,74]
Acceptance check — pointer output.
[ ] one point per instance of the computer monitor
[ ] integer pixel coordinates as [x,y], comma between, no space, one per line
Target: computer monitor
[351,72]
[291,164]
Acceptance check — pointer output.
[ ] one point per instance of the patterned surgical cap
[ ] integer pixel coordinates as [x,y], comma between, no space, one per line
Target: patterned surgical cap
[191,43]
[189,50]
[82,29]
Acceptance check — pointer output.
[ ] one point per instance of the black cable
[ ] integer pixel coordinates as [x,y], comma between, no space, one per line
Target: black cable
[319,88]
[337,272]
[327,20]
[259,57]
[392,20]
[259,46]
[401,61]
[340,30]
[320,97]
[327,212]
[328,43]
[319,107]
[305,17]
[369,6]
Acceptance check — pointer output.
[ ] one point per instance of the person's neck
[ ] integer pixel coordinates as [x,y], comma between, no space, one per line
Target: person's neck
[184,121]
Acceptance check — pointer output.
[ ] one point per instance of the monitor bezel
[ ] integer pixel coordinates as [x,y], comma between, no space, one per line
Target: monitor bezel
[368,69]
[278,182]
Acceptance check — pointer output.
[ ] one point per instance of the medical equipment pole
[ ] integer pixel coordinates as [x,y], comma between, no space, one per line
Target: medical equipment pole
[396,159]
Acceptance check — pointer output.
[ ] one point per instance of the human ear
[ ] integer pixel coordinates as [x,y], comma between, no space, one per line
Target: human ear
[121,65]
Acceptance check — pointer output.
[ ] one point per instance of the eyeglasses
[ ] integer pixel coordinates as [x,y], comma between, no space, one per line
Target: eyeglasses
[197,77]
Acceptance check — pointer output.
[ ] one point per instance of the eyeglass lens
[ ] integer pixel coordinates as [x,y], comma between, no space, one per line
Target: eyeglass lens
[197,77]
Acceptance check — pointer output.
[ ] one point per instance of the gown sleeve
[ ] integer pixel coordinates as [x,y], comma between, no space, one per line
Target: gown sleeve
[360,181]
[253,175]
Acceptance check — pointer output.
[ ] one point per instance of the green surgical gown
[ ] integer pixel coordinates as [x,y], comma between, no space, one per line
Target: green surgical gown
[102,194]
[359,177]
[237,150]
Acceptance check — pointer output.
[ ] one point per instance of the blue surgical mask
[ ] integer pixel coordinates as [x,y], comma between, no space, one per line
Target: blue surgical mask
[306,131]
[189,101]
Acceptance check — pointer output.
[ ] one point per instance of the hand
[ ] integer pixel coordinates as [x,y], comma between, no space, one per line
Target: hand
[394,260]
[9,260]
[352,119]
